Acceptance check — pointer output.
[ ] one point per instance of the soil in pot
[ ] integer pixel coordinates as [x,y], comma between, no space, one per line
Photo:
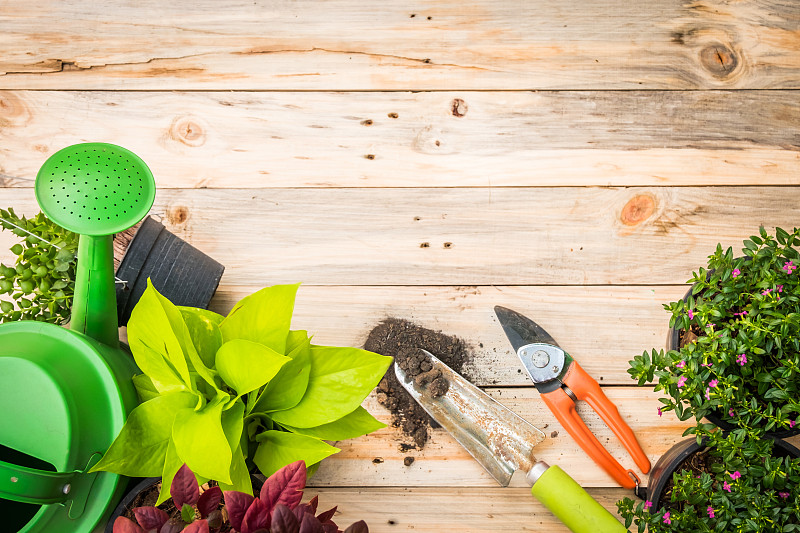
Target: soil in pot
[402,340]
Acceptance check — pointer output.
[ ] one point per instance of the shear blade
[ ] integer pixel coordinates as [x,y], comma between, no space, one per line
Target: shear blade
[500,440]
[520,329]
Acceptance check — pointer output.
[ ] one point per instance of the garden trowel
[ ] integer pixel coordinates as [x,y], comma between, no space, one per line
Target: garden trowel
[502,443]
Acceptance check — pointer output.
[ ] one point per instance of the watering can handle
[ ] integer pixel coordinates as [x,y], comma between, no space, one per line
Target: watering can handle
[30,485]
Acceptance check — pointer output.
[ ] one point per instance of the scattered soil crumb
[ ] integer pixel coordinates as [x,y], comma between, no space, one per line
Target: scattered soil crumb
[554,434]
[408,461]
[402,340]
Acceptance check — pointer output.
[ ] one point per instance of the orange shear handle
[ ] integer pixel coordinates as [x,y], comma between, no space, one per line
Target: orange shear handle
[563,408]
[586,388]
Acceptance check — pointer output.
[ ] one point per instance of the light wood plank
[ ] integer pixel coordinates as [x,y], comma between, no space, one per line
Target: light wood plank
[387,510]
[343,45]
[443,462]
[465,236]
[484,139]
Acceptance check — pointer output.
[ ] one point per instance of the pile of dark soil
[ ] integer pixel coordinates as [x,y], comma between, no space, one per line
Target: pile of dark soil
[402,340]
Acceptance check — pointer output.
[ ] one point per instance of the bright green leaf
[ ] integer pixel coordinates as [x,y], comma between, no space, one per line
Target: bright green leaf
[203,326]
[279,448]
[240,476]
[263,317]
[245,365]
[140,448]
[287,388]
[340,379]
[201,442]
[357,423]
[144,387]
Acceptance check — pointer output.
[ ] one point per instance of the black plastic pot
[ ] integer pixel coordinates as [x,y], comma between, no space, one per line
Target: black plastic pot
[139,485]
[178,270]
[671,461]
[673,343]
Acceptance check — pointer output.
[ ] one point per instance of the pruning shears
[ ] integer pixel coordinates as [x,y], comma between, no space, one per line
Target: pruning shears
[561,382]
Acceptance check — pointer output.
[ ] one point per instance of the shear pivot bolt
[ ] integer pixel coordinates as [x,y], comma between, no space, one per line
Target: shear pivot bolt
[540,359]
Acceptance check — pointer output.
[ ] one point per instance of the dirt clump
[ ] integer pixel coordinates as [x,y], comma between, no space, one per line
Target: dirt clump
[402,340]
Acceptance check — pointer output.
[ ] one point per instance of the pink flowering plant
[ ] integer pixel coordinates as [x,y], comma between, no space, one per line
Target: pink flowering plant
[746,485]
[740,327]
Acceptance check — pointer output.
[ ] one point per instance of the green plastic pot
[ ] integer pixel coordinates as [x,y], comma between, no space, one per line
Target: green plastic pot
[65,394]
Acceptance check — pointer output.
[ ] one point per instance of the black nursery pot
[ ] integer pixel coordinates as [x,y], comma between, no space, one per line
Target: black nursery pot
[178,270]
[671,461]
[673,343]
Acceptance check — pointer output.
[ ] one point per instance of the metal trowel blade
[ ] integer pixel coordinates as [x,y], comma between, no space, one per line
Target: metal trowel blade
[493,434]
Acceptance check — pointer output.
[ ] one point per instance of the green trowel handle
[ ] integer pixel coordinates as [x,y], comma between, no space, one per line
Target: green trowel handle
[570,503]
[29,485]
[94,307]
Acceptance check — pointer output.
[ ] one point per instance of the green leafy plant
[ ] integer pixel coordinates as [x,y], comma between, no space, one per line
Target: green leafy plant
[41,281]
[741,355]
[742,488]
[277,509]
[218,392]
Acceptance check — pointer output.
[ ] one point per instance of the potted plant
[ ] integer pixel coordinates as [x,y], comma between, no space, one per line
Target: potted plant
[721,481]
[276,508]
[739,360]
[42,280]
[224,393]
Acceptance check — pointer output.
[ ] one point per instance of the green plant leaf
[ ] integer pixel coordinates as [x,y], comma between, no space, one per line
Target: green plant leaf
[172,463]
[340,379]
[357,423]
[279,448]
[201,442]
[246,365]
[203,326]
[141,446]
[150,335]
[263,317]
[144,387]
[289,385]
[240,476]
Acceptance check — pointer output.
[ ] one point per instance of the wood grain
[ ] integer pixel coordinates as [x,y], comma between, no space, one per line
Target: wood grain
[475,510]
[345,45]
[465,236]
[441,139]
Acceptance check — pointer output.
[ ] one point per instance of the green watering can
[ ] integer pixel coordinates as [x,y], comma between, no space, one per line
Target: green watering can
[65,393]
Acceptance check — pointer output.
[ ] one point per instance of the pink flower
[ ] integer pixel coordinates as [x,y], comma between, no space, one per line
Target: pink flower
[725,486]
[783,495]
[681,381]
[792,423]
[710,325]
[764,293]
[648,505]
[713,383]
[736,272]
[741,359]
[708,393]
[789,267]
[742,314]
[707,365]
[710,512]
[736,475]
[690,313]
[666,518]
[681,365]
[659,412]
[780,288]
[731,413]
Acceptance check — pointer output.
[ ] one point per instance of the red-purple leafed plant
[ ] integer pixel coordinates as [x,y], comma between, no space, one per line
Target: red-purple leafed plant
[277,509]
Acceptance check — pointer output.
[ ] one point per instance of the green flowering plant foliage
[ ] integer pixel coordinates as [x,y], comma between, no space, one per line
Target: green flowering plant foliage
[742,324]
[220,393]
[743,488]
[41,282]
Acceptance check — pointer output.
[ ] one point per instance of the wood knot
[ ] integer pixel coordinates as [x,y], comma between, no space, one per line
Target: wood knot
[718,59]
[188,131]
[637,210]
[178,215]
[458,107]
[13,111]
[367,122]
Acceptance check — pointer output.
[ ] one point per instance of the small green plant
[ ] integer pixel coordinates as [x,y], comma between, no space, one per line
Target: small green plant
[277,509]
[218,392]
[41,282]
[742,358]
[743,488]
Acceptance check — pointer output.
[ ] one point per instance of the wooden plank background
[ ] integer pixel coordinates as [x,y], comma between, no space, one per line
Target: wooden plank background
[429,160]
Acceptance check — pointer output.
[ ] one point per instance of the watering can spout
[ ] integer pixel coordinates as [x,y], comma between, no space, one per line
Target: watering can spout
[94,307]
